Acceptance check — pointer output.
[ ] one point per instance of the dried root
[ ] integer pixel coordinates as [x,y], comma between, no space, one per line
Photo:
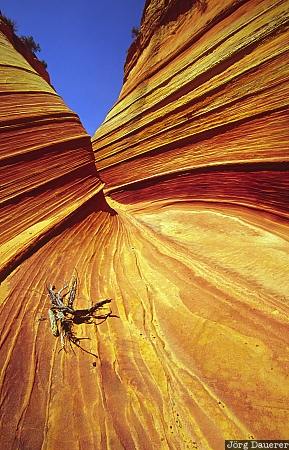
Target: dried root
[63,316]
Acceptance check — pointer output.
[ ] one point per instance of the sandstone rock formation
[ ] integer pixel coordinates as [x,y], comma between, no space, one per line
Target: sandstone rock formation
[190,241]
[47,168]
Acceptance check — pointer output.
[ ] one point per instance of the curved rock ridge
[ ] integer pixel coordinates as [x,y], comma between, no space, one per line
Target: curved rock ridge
[197,101]
[191,241]
[47,168]
[195,154]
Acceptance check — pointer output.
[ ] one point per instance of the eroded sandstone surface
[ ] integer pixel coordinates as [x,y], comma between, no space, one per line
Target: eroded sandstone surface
[189,237]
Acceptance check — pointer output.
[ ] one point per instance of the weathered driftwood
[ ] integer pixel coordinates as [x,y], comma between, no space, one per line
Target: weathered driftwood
[63,316]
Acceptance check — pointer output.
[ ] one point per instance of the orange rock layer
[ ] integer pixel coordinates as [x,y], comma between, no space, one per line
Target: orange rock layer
[191,242]
[47,167]
[210,100]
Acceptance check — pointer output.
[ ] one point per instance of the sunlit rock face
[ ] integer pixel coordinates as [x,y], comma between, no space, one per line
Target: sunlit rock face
[47,169]
[195,154]
[191,245]
[203,113]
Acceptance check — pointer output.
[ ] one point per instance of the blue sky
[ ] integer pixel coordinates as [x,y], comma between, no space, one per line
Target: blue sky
[84,44]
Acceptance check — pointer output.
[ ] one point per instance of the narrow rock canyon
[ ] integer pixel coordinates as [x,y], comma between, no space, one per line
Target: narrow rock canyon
[177,209]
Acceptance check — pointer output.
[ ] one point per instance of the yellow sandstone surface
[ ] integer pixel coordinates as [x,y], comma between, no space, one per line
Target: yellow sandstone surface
[189,237]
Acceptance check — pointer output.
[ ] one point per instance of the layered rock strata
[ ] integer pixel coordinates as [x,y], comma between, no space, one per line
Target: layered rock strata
[191,242]
[196,149]
[47,168]
[195,104]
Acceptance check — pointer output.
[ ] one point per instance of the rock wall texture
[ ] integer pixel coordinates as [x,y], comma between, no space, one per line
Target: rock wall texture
[47,168]
[191,241]
[201,92]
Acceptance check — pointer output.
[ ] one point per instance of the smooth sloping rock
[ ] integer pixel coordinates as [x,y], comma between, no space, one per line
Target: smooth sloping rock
[193,247]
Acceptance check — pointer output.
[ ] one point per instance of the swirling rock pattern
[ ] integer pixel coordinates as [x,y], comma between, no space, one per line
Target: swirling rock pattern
[191,242]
